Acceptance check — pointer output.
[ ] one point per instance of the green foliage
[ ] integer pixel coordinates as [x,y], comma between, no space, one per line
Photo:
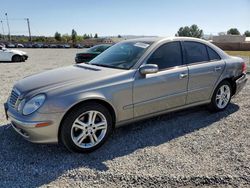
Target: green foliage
[233,31]
[58,36]
[96,36]
[73,35]
[85,36]
[247,33]
[192,31]
[66,38]
[41,39]
[119,36]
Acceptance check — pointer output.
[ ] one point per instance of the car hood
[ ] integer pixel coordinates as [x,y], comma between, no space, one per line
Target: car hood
[66,77]
[16,51]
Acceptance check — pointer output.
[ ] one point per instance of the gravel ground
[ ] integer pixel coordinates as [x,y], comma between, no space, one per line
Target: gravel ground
[183,149]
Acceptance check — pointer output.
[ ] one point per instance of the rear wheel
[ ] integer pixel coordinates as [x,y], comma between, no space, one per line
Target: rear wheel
[17,58]
[86,128]
[221,97]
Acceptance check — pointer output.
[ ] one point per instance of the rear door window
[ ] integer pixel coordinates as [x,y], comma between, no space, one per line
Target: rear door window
[213,56]
[195,52]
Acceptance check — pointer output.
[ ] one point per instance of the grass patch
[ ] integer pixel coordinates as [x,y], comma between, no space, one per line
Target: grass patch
[239,53]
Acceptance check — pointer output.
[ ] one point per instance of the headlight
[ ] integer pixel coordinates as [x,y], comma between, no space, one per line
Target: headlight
[33,104]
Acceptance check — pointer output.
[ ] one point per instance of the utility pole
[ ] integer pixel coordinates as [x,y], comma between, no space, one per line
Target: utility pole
[3,30]
[28,23]
[8,26]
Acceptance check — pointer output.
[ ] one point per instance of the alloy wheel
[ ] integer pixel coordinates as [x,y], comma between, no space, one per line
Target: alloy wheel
[89,129]
[223,96]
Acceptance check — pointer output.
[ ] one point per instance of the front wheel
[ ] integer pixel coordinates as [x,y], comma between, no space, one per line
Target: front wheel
[86,128]
[221,97]
[17,58]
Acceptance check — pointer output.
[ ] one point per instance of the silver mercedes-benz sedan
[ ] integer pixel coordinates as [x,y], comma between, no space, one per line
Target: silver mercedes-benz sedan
[135,79]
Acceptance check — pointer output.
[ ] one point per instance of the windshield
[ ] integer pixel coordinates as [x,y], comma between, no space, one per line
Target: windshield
[122,55]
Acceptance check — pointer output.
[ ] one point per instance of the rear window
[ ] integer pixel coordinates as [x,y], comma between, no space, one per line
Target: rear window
[213,56]
[195,52]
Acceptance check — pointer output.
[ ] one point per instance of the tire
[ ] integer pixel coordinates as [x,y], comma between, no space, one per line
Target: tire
[17,58]
[220,99]
[86,128]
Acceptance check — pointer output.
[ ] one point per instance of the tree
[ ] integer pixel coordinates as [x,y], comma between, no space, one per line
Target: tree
[73,35]
[96,36]
[66,38]
[85,36]
[192,31]
[58,36]
[247,33]
[233,31]
[119,36]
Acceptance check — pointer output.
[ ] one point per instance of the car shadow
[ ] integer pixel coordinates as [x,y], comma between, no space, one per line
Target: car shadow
[33,165]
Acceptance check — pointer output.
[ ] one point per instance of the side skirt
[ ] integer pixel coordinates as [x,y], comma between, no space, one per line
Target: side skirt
[122,123]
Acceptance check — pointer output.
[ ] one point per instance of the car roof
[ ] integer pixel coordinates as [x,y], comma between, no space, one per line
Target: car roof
[156,40]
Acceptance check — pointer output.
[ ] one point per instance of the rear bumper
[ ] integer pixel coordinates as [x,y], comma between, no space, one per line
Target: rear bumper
[240,83]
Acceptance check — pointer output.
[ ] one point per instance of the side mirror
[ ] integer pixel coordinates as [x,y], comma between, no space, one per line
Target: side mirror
[148,69]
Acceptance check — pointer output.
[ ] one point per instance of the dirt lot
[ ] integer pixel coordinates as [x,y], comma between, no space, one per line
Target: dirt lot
[182,149]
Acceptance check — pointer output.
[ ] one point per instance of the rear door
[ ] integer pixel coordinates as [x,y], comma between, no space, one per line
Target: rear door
[165,89]
[205,67]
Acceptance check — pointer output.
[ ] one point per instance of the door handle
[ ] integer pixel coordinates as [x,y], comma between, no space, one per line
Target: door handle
[183,75]
[217,69]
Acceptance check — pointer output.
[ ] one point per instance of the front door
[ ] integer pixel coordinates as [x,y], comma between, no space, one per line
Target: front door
[165,89]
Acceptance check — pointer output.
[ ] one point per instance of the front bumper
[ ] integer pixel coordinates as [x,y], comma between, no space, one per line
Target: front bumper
[25,57]
[240,83]
[28,127]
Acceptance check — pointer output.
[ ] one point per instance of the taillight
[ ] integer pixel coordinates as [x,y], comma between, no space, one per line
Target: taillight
[244,68]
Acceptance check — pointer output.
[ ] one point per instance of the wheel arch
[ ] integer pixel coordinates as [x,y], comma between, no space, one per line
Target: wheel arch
[94,100]
[232,82]
[15,55]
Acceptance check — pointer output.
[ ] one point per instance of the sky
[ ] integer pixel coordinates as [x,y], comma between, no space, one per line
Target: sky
[123,17]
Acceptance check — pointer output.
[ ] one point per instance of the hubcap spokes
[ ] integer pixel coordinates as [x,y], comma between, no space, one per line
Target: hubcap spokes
[89,129]
[223,96]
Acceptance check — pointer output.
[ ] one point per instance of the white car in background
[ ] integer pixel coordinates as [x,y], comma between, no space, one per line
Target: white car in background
[12,55]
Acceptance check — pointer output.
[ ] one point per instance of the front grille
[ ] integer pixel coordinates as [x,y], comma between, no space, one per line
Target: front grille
[14,98]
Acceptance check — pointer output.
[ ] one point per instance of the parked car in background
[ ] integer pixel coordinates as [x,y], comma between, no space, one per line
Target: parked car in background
[78,46]
[28,45]
[60,46]
[91,53]
[37,45]
[2,45]
[45,46]
[10,45]
[67,46]
[52,46]
[135,79]
[12,55]
[19,46]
